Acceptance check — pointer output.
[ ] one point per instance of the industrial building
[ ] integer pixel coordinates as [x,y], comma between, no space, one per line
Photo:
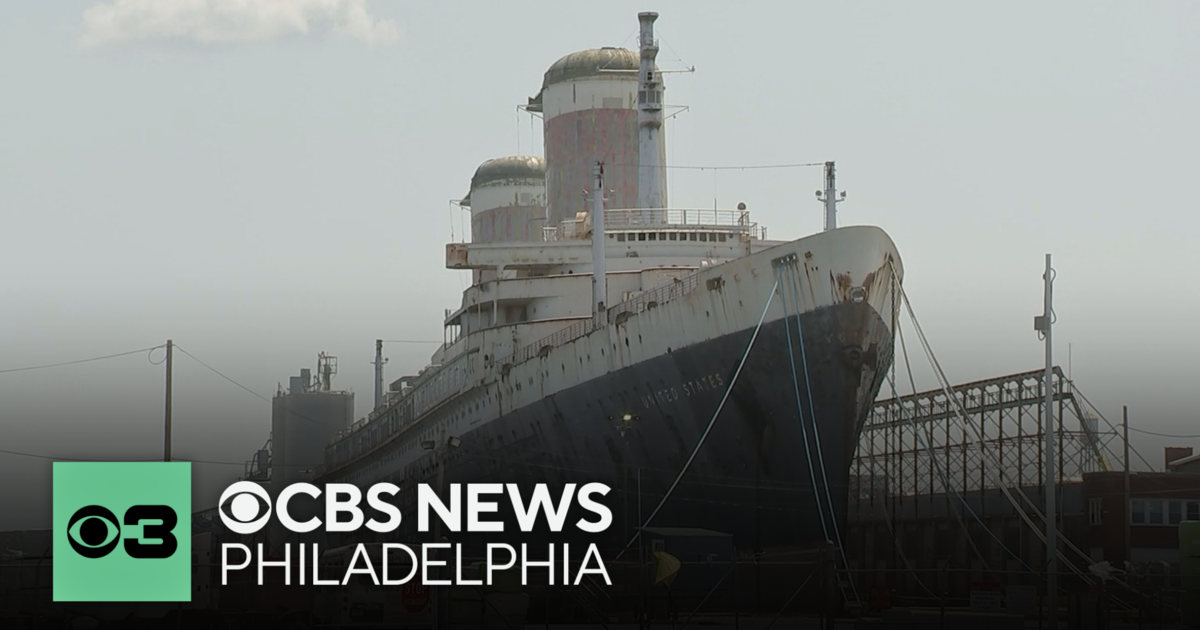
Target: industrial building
[304,418]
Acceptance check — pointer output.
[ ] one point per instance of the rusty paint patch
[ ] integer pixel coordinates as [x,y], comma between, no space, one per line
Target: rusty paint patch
[456,256]
[842,282]
[808,275]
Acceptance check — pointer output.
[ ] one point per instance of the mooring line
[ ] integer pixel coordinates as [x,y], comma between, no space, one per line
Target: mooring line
[711,422]
[812,413]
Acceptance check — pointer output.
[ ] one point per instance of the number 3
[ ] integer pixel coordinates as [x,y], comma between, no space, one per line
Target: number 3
[166,545]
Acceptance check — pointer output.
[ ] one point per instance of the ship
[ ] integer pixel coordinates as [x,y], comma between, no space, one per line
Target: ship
[711,377]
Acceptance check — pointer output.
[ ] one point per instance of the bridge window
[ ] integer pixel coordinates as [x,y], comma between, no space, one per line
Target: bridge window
[672,236]
[692,236]
[621,237]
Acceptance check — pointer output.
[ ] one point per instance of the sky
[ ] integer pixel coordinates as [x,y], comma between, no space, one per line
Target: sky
[264,181]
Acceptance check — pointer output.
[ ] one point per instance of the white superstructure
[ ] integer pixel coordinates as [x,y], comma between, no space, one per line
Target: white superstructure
[670,277]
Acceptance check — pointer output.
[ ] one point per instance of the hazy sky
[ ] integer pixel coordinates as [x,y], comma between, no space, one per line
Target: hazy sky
[261,184]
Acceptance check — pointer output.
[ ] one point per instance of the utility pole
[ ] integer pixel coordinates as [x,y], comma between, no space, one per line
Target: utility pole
[1125,431]
[1043,324]
[167,415]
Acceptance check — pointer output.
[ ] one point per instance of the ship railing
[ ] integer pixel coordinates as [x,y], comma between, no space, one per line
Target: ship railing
[634,219]
[434,387]
[739,220]
[649,299]
[571,229]
[565,335]
[642,302]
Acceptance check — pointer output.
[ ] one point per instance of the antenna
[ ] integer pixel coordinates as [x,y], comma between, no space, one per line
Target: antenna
[326,368]
[599,278]
[829,197]
[651,173]
[379,362]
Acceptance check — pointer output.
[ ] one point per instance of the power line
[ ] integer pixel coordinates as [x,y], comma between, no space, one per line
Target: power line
[76,362]
[218,373]
[148,350]
[1167,435]
[74,459]
[39,456]
[247,389]
[410,341]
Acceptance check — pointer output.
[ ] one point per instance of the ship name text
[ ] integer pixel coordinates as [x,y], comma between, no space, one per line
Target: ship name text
[687,389]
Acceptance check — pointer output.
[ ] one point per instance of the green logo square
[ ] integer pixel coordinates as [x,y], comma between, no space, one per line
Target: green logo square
[122,531]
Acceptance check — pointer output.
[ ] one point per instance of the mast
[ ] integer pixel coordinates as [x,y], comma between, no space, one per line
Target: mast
[379,362]
[650,122]
[829,197]
[599,278]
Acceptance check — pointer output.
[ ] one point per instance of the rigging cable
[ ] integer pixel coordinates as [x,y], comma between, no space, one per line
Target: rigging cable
[941,473]
[945,482]
[961,415]
[1086,576]
[787,327]
[1076,391]
[812,413]
[1003,487]
[711,422]
[799,411]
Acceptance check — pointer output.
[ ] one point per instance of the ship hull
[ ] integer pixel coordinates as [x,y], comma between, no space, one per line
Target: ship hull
[750,478]
[772,471]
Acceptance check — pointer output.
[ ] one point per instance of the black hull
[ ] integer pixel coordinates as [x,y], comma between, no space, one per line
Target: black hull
[750,479]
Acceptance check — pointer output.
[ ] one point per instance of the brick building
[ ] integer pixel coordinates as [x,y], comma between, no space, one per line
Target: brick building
[1148,517]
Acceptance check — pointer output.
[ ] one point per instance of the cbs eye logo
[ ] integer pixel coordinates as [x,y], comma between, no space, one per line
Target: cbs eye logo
[245,507]
[94,532]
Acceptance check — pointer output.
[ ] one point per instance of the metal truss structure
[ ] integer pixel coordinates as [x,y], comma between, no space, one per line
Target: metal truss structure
[919,445]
